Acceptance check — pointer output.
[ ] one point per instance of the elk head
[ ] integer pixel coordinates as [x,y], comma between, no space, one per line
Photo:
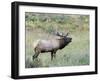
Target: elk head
[64,37]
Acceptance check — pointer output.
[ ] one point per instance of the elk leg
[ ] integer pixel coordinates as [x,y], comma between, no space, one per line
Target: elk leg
[51,55]
[36,54]
[54,54]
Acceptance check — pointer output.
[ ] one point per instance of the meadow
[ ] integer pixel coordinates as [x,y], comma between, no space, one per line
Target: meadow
[43,25]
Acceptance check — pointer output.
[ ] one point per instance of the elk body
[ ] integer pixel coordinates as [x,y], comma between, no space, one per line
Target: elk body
[52,45]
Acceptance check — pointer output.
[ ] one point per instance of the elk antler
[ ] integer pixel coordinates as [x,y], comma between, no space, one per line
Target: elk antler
[59,34]
[67,34]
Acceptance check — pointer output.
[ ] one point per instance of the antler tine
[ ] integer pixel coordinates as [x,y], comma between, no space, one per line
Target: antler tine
[58,34]
[67,34]
[63,34]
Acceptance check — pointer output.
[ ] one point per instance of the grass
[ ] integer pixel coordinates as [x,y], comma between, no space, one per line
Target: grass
[75,54]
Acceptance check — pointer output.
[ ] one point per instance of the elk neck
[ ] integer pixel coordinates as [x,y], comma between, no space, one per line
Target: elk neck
[62,43]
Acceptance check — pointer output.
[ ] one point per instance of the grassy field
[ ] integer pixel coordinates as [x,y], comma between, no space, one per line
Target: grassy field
[41,26]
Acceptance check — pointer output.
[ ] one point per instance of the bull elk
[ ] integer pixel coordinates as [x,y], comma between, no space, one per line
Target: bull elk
[52,45]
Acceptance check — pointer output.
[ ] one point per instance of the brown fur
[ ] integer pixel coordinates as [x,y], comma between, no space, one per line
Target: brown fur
[51,46]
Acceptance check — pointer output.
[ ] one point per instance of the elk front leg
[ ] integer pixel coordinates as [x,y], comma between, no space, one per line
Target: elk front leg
[51,55]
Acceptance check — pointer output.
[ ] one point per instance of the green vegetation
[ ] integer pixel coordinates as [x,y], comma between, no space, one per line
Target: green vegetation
[41,26]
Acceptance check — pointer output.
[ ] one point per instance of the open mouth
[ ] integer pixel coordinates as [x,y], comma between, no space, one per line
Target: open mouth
[70,39]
